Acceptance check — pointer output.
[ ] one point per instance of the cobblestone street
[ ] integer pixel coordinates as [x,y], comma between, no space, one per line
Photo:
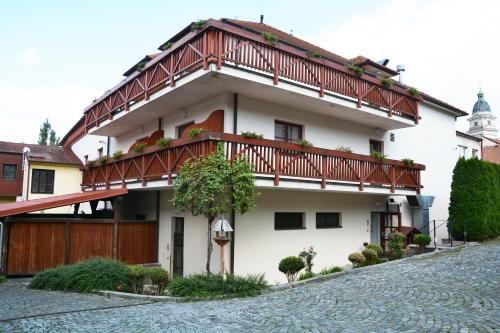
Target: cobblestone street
[456,291]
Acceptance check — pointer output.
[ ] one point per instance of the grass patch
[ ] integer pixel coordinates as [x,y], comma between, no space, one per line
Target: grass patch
[201,285]
[84,276]
[2,278]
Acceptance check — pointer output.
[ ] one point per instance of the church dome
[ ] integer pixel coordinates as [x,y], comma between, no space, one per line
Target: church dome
[481,104]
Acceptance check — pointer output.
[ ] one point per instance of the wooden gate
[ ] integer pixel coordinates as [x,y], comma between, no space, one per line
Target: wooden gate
[34,244]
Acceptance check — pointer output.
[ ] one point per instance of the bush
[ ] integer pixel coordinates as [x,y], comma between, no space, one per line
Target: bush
[194,132]
[396,243]
[397,237]
[330,270]
[137,274]
[202,285]
[139,147]
[307,257]
[377,248]
[164,142]
[251,135]
[356,259]
[159,279]
[475,200]
[306,275]
[370,255]
[422,240]
[291,266]
[117,154]
[84,276]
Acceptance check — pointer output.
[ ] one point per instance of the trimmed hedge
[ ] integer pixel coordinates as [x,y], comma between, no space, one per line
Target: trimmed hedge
[84,276]
[475,200]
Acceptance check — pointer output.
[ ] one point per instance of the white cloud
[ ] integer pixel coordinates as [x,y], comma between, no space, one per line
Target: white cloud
[23,109]
[448,47]
[30,56]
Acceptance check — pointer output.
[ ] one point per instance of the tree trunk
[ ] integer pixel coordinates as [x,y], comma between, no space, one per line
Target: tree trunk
[209,243]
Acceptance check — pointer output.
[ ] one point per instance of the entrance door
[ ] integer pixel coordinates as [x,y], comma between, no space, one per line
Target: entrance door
[375,228]
[178,262]
[389,222]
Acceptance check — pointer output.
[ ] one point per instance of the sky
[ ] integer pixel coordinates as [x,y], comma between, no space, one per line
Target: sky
[58,56]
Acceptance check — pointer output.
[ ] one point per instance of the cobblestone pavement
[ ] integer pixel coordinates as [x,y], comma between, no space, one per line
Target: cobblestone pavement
[457,291]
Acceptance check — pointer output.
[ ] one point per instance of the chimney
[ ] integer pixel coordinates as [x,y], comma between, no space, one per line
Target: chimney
[400,69]
[261,19]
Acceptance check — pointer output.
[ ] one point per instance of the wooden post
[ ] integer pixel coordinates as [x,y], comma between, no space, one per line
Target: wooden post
[116,221]
[222,260]
[277,167]
[67,244]
[276,66]
[323,171]
[322,81]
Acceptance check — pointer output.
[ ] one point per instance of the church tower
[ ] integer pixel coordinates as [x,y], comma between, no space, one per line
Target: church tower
[483,121]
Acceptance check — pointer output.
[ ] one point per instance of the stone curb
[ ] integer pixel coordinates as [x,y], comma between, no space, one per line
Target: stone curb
[281,287]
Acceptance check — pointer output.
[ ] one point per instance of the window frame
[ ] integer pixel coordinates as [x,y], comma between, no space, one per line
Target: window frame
[462,151]
[183,127]
[372,141]
[3,171]
[339,220]
[37,189]
[279,228]
[288,124]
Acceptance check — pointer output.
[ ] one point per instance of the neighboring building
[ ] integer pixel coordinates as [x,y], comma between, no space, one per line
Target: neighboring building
[46,171]
[228,79]
[468,146]
[491,150]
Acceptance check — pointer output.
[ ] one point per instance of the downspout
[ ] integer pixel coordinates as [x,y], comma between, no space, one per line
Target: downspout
[1,246]
[107,147]
[233,213]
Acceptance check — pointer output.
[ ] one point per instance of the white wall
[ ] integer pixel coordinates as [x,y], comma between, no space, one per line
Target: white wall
[88,145]
[259,248]
[470,144]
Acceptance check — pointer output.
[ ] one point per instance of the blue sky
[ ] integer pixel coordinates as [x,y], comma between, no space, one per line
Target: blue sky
[58,55]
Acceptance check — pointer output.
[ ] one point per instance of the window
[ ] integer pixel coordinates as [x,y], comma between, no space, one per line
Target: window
[376,145]
[475,153]
[42,181]
[9,171]
[475,123]
[99,152]
[462,151]
[328,220]
[182,128]
[489,122]
[287,132]
[288,221]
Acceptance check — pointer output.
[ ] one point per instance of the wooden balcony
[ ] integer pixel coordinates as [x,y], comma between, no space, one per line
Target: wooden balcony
[272,159]
[225,45]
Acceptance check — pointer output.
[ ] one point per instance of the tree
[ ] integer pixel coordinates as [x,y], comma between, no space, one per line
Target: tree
[47,135]
[211,185]
[475,200]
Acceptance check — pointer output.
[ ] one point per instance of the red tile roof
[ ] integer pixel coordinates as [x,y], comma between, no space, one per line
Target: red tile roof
[42,153]
[28,206]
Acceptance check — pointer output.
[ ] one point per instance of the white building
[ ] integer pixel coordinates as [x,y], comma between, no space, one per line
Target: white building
[227,78]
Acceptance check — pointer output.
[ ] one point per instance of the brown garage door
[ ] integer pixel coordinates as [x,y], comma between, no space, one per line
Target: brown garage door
[37,245]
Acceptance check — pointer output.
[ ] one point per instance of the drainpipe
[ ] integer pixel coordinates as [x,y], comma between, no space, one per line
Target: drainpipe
[233,213]
[1,246]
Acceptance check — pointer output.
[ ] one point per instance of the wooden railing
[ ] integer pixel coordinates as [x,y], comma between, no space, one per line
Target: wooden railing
[270,158]
[226,45]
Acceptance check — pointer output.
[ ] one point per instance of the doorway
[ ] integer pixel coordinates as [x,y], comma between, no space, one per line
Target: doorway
[178,246]
[382,224]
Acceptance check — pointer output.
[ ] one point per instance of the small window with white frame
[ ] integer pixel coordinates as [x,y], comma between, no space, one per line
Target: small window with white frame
[475,153]
[462,151]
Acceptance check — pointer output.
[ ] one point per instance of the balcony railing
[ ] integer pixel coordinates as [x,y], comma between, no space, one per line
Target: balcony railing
[226,45]
[269,158]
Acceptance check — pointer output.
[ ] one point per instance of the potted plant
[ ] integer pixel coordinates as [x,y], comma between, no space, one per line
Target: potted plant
[139,147]
[305,143]
[164,142]
[344,149]
[198,25]
[387,82]
[269,37]
[117,154]
[408,162]
[313,54]
[378,156]
[413,91]
[251,135]
[356,69]
[194,132]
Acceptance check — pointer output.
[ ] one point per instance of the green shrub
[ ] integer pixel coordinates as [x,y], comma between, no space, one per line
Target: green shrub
[330,270]
[377,249]
[370,255]
[137,274]
[2,278]
[291,266]
[307,257]
[159,279]
[198,25]
[84,276]
[102,160]
[304,143]
[344,149]
[251,135]
[167,46]
[397,237]
[356,69]
[194,132]
[387,82]
[422,240]
[413,91]
[306,275]
[138,148]
[117,154]
[356,259]
[396,243]
[202,285]
[378,156]
[475,200]
[313,54]
[269,37]
[408,162]
[164,142]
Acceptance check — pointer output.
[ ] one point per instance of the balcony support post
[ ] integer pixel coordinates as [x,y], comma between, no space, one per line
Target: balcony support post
[322,82]
[219,50]
[323,171]
[276,66]
[277,167]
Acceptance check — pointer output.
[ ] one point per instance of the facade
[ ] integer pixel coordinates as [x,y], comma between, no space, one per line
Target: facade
[36,171]
[226,78]
[468,146]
